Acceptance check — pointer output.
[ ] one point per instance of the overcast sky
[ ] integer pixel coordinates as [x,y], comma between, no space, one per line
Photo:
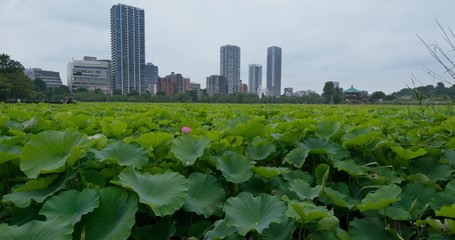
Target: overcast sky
[370,44]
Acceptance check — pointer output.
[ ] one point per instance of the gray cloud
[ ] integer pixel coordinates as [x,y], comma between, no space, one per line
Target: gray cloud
[371,44]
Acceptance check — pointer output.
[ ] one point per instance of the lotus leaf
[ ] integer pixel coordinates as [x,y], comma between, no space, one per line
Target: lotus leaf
[52,151]
[246,212]
[188,149]
[71,205]
[123,154]
[114,217]
[205,194]
[235,167]
[163,193]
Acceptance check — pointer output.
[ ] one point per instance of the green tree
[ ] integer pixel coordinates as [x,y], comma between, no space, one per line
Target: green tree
[13,82]
[327,92]
[377,96]
[40,85]
[8,65]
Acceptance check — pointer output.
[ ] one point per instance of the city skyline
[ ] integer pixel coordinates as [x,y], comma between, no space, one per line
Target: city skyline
[371,45]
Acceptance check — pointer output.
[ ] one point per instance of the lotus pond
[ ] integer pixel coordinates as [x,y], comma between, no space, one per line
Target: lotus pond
[128,171]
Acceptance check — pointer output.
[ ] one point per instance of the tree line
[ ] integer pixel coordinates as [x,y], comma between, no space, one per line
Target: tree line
[14,84]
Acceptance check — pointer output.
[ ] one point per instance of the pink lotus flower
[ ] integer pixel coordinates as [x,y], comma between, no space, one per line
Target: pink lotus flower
[186,130]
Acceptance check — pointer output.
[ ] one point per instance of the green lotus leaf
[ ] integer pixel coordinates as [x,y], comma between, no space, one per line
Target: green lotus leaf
[449,124]
[205,194]
[78,121]
[431,168]
[246,212]
[307,212]
[359,137]
[270,172]
[220,231]
[321,174]
[114,217]
[338,198]
[250,129]
[34,184]
[368,228]
[415,197]
[260,149]
[163,193]
[447,228]
[8,153]
[408,154]
[326,129]
[188,149]
[396,213]
[54,228]
[297,156]
[234,167]
[321,146]
[450,156]
[157,143]
[52,151]
[24,198]
[327,223]
[123,154]
[446,211]
[380,198]
[279,231]
[350,167]
[71,205]
[304,190]
[114,128]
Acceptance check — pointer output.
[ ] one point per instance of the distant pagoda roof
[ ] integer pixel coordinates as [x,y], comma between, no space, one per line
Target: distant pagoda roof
[352,90]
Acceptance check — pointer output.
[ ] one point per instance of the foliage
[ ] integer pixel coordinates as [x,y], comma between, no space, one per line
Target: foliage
[126,171]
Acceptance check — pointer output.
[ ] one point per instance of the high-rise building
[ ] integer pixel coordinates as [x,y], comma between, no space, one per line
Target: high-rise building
[230,67]
[216,84]
[274,71]
[51,78]
[90,74]
[127,49]
[151,77]
[254,78]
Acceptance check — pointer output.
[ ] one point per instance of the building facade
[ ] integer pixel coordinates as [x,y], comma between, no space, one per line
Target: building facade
[216,84]
[51,78]
[151,77]
[173,83]
[230,67]
[89,74]
[127,49]
[288,91]
[274,71]
[254,78]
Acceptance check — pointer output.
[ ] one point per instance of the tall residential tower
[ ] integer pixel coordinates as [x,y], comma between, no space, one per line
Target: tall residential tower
[254,78]
[230,67]
[127,49]
[274,71]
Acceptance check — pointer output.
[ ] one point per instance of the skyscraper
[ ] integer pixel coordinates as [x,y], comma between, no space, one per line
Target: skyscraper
[254,78]
[230,67]
[127,49]
[274,71]
[216,84]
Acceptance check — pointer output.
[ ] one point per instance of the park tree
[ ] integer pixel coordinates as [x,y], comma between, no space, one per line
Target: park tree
[327,92]
[377,96]
[13,82]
